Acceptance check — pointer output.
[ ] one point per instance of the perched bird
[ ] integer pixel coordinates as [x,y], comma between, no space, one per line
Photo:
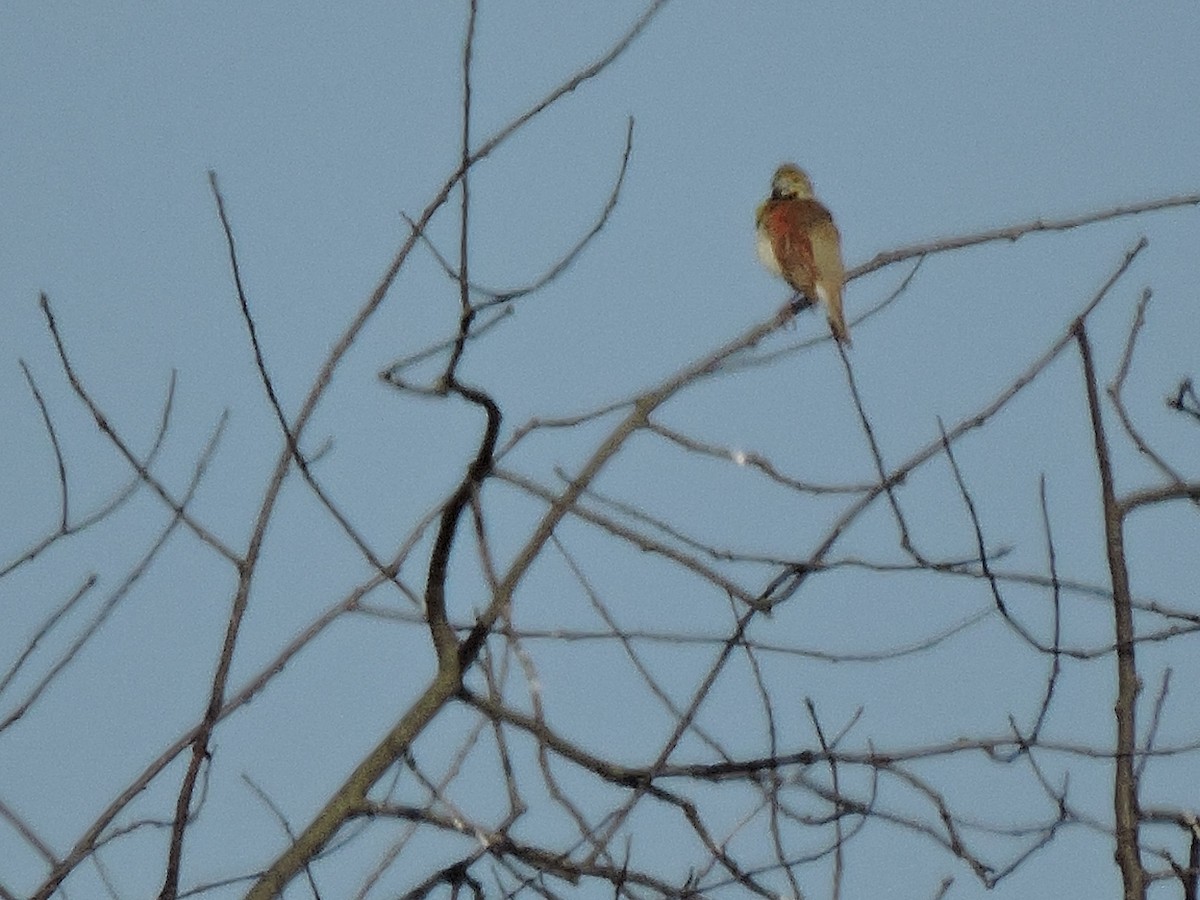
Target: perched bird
[798,241]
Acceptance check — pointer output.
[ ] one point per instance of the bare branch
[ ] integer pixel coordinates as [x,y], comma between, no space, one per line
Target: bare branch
[497,297]
[1014,232]
[1128,683]
[1056,600]
[65,515]
[102,423]
[787,582]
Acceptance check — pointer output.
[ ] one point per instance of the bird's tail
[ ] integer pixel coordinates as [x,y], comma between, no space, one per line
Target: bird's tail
[832,301]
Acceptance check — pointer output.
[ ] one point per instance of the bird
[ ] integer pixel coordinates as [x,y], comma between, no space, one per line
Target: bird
[798,241]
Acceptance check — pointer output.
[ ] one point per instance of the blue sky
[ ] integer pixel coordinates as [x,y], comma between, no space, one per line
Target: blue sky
[324,125]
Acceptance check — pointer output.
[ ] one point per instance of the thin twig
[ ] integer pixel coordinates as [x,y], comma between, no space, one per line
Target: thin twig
[64,516]
[1014,232]
[104,510]
[272,395]
[981,547]
[502,297]
[1160,702]
[1056,601]
[838,860]
[885,483]
[117,441]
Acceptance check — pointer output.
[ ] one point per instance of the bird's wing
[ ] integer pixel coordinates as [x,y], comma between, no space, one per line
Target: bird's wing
[761,213]
[827,250]
[830,273]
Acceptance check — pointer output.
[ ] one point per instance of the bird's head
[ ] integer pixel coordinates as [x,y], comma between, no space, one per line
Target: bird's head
[790,181]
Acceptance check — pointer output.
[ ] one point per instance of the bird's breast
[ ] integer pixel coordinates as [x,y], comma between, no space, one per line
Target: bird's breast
[766,250]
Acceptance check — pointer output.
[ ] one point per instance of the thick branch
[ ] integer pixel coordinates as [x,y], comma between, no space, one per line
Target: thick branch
[1125,798]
